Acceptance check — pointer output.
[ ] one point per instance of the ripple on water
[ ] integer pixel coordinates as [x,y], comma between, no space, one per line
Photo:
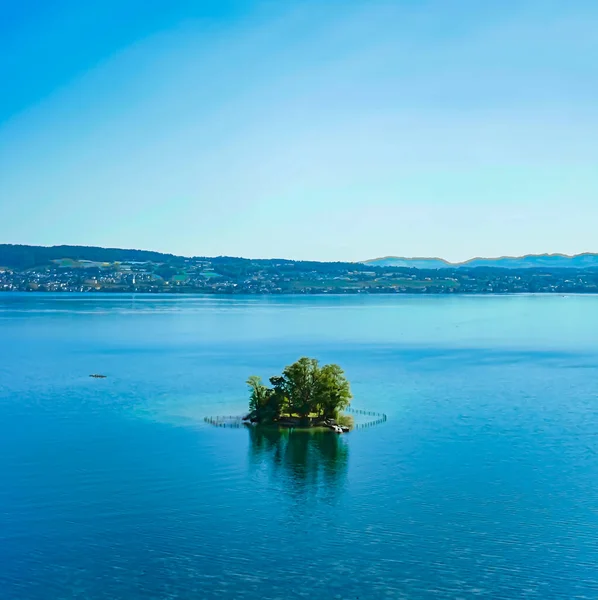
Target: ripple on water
[481,484]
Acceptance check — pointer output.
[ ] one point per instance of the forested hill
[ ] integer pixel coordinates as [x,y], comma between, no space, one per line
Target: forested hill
[24,257]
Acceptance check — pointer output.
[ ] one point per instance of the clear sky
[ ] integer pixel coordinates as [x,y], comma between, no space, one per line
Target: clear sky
[315,129]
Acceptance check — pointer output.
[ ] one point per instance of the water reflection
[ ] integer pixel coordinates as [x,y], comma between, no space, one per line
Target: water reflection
[302,462]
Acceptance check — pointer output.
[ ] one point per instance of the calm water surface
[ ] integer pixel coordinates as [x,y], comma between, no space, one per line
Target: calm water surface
[483,483]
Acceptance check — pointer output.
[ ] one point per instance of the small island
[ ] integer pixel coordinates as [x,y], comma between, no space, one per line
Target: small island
[306,395]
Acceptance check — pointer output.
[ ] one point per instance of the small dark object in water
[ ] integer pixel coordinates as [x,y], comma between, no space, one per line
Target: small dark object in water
[98,376]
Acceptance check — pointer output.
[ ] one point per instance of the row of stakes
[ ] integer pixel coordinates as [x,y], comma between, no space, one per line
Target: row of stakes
[237,422]
[381,418]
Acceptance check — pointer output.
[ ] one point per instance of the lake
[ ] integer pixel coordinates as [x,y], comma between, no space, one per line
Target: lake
[482,483]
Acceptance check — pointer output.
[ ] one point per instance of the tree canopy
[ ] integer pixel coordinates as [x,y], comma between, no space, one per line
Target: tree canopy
[304,389]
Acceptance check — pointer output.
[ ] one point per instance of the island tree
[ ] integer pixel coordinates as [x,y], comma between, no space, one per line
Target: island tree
[305,389]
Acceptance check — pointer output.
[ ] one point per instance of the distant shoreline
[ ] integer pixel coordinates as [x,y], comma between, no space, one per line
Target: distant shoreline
[111,271]
[289,294]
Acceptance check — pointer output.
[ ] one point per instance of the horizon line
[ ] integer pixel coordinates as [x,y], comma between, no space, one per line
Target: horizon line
[468,260]
[367,261]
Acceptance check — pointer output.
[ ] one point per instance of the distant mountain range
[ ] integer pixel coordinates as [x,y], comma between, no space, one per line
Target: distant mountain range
[24,257]
[530,261]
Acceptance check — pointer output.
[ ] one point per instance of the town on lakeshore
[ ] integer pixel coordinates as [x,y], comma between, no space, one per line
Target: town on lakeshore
[93,269]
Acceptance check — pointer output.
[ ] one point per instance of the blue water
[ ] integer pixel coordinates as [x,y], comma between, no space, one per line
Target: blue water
[483,483]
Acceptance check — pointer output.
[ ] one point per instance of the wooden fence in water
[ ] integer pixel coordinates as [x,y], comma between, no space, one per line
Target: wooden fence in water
[229,421]
[378,418]
[237,422]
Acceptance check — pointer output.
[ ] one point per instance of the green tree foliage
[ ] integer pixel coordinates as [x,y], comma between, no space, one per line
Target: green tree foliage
[165,271]
[24,257]
[333,391]
[264,403]
[304,389]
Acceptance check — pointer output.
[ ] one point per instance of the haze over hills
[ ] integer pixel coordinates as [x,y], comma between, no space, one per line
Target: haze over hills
[25,256]
[93,269]
[530,261]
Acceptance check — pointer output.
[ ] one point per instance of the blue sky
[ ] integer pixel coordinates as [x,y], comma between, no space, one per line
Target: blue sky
[315,129]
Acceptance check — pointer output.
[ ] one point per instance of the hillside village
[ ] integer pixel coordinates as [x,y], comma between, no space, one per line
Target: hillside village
[224,275]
